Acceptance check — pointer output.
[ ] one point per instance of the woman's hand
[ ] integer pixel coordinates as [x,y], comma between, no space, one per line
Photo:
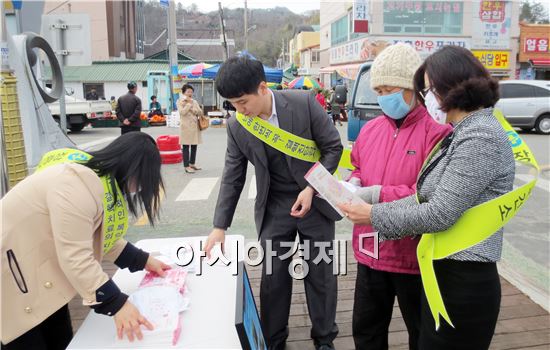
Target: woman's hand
[359,214]
[128,320]
[156,266]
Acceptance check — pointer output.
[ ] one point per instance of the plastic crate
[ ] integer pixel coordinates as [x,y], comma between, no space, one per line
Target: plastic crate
[105,123]
[13,133]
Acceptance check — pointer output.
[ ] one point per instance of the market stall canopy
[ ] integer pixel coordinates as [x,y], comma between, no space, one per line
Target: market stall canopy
[272,75]
[300,82]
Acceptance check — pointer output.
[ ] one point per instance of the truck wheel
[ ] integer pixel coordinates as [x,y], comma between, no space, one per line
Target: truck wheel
[76,127]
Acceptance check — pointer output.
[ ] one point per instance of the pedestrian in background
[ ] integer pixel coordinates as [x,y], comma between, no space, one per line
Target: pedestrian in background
[154,107]
[190,133]
[128,110]
[113,103]
[320,97]
[92,95]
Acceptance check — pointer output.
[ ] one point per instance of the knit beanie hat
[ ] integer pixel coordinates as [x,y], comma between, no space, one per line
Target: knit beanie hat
[395,66]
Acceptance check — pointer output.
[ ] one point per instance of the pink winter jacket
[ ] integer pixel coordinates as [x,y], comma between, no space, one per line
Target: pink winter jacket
[392,157]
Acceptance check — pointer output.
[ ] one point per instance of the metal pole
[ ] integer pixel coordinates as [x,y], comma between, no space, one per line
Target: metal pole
[60,53]
[283,60]
[4,173]
[245,26]
[222,25]
[172,50]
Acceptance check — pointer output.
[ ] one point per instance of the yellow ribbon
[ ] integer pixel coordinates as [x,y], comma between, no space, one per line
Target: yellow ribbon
[475,225]
[115,215]
[286,142]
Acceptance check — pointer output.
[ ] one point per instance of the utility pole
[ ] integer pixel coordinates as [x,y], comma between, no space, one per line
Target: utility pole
[222,25]
[245,26]
[283,60]
[172,50]
[61,52]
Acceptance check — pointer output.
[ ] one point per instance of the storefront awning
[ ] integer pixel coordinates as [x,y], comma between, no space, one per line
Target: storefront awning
[348,71]
[540,62]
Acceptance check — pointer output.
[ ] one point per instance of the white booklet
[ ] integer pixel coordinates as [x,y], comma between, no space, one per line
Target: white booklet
[330,189]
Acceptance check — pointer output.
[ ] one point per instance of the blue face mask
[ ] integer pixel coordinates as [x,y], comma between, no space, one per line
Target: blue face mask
[394,105]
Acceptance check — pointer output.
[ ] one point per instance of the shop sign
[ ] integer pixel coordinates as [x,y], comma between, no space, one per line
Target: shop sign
[493,59]
[535,45]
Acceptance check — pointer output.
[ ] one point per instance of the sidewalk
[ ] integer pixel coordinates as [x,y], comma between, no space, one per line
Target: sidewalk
[522,324]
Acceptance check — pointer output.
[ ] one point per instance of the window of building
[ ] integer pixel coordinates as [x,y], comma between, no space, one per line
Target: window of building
[99,91]
[315,56]
[339,31]
[423,17]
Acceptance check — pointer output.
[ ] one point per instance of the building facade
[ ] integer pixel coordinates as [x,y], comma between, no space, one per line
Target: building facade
[534,52]
[117,28]
[304,52]
[490,29]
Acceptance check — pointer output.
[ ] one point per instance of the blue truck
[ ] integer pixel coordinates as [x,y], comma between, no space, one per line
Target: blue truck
[363,105]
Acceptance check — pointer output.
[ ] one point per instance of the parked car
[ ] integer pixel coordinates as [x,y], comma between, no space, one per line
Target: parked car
[363,105]
[80,112]
[526,104]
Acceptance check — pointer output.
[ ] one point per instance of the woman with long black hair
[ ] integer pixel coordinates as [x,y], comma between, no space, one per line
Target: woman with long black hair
[57,226]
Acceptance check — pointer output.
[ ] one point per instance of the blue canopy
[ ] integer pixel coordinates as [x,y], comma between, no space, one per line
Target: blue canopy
[272,75]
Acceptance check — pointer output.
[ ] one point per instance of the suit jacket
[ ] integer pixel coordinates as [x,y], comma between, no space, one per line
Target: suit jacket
[52,239]
[298,113]
[129,106]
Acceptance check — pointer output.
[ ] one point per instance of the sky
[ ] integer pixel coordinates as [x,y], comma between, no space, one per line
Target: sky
[296,6]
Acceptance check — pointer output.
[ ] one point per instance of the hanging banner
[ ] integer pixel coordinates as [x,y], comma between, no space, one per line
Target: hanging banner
[491,24]
[361,16]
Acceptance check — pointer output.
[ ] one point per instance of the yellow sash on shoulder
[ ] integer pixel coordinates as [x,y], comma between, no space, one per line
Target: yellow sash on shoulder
[475,225]
[115,215]
[286,142]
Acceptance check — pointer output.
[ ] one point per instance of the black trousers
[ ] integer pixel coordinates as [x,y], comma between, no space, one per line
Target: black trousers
[189,158]
[54,333]
[276,287]
[375,293]
[128,128]
[471,293]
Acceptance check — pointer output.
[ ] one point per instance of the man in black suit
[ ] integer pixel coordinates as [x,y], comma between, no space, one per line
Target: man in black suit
[285,204]
[128,111]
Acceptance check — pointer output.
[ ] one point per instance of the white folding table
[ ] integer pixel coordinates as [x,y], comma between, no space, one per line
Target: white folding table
[209,323]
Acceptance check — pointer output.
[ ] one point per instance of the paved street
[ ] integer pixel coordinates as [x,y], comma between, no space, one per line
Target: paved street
[190,199]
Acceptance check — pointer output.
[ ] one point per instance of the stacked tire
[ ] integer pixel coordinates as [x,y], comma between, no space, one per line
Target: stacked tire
[169,148]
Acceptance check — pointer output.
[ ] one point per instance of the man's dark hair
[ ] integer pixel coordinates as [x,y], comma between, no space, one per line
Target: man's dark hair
[458,78]
[131,85]
[239,76]
[186,87]
[132,159]
[279,87]
[153,97]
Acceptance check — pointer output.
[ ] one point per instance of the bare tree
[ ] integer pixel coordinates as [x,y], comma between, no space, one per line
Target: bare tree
[533,12]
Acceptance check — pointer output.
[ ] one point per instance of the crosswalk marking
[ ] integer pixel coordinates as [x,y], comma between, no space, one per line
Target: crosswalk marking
[198,189]
[252,188]
[541,183]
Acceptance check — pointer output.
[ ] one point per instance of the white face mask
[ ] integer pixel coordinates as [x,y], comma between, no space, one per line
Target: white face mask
[434,109]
